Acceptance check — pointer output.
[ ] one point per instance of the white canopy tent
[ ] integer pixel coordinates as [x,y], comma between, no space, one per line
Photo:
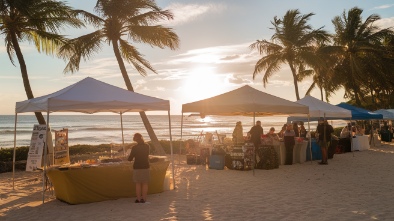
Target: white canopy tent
[91,96]
[245,101]
[318,108]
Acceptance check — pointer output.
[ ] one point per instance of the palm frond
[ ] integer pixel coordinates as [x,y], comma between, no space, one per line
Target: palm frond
[45,42]
[93,19]
[150,17]
[10,48]
[131,54]
[308,92]
[82,47]
[154,35]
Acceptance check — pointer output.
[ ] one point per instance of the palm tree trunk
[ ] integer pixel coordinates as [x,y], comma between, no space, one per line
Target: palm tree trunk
[357,97]
[25,77]
[321,93]
[372,97]
[293,71]
[158,149]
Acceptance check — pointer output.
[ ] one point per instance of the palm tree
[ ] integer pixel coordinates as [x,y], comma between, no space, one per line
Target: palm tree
[359,52]
[292,43]
[35,21]
[323,77]
[117,22]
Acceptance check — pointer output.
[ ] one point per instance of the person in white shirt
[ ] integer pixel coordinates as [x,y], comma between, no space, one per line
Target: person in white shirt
[345,133]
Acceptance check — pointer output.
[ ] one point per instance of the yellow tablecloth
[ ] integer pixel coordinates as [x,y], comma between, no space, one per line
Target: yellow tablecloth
[108,182]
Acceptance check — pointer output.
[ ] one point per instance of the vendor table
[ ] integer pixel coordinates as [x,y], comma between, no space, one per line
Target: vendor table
[104,182]
[299,152]
[360,143]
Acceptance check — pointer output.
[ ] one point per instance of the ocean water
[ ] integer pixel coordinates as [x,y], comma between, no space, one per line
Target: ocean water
[100,129]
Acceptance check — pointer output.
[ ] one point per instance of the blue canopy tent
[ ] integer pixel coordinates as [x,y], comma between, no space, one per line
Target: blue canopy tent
[360,113]
[388,114]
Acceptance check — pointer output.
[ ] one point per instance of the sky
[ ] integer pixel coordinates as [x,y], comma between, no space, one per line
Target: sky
[214,55]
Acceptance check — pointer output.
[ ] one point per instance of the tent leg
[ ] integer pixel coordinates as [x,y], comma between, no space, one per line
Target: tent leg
[45,159]
[254,148]
[172,158]
[121,125]
[180,143]
[310,139]
[351,137]
[13,157]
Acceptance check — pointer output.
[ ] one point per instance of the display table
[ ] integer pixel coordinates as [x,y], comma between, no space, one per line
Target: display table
[360,143]
[299,152]
[104,182]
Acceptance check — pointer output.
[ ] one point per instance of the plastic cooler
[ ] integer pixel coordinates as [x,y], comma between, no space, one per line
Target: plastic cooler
[216,162]
[316,151]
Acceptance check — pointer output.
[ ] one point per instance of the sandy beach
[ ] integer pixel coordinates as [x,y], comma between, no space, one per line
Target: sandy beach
[354,186]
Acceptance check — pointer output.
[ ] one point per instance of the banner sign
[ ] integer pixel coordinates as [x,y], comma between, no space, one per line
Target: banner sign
[37,144]
[62,155]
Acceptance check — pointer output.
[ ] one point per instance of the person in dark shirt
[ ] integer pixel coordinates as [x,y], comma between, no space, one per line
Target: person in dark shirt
[296,129]
[141,174]
[255,134]
[302,130]
[288,138]
[324,130]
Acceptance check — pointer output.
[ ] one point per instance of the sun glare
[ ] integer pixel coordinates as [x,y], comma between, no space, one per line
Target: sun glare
[202,83]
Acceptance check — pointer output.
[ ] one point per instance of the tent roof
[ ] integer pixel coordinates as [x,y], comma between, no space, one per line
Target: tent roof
[245,101]
[387,113]
[318,108]
[91,96]
[360,113]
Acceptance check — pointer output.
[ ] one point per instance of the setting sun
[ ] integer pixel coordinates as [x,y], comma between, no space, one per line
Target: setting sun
[202,83]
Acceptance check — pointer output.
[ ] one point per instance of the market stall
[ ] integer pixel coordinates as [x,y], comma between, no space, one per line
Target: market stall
[360,141]
[318,109]
[91,96]
[244,101]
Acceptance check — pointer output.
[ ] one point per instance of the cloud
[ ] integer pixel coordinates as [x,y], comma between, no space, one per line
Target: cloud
[160,89]
[10,77]
[140,85]
[384,6]
[185,13]
[230,57]
[385,22]
[280,83]
[104,68]
[232,79]
[239,53]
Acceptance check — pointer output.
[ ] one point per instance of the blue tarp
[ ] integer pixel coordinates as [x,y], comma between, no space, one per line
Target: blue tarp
[360,113]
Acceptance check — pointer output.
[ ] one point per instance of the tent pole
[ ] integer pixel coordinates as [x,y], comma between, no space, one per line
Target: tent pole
[45,159]
[254,118]
[310,138]
[121,125]
[172,158]
[351,137]
[180,143]
[254,148]
[13,158]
